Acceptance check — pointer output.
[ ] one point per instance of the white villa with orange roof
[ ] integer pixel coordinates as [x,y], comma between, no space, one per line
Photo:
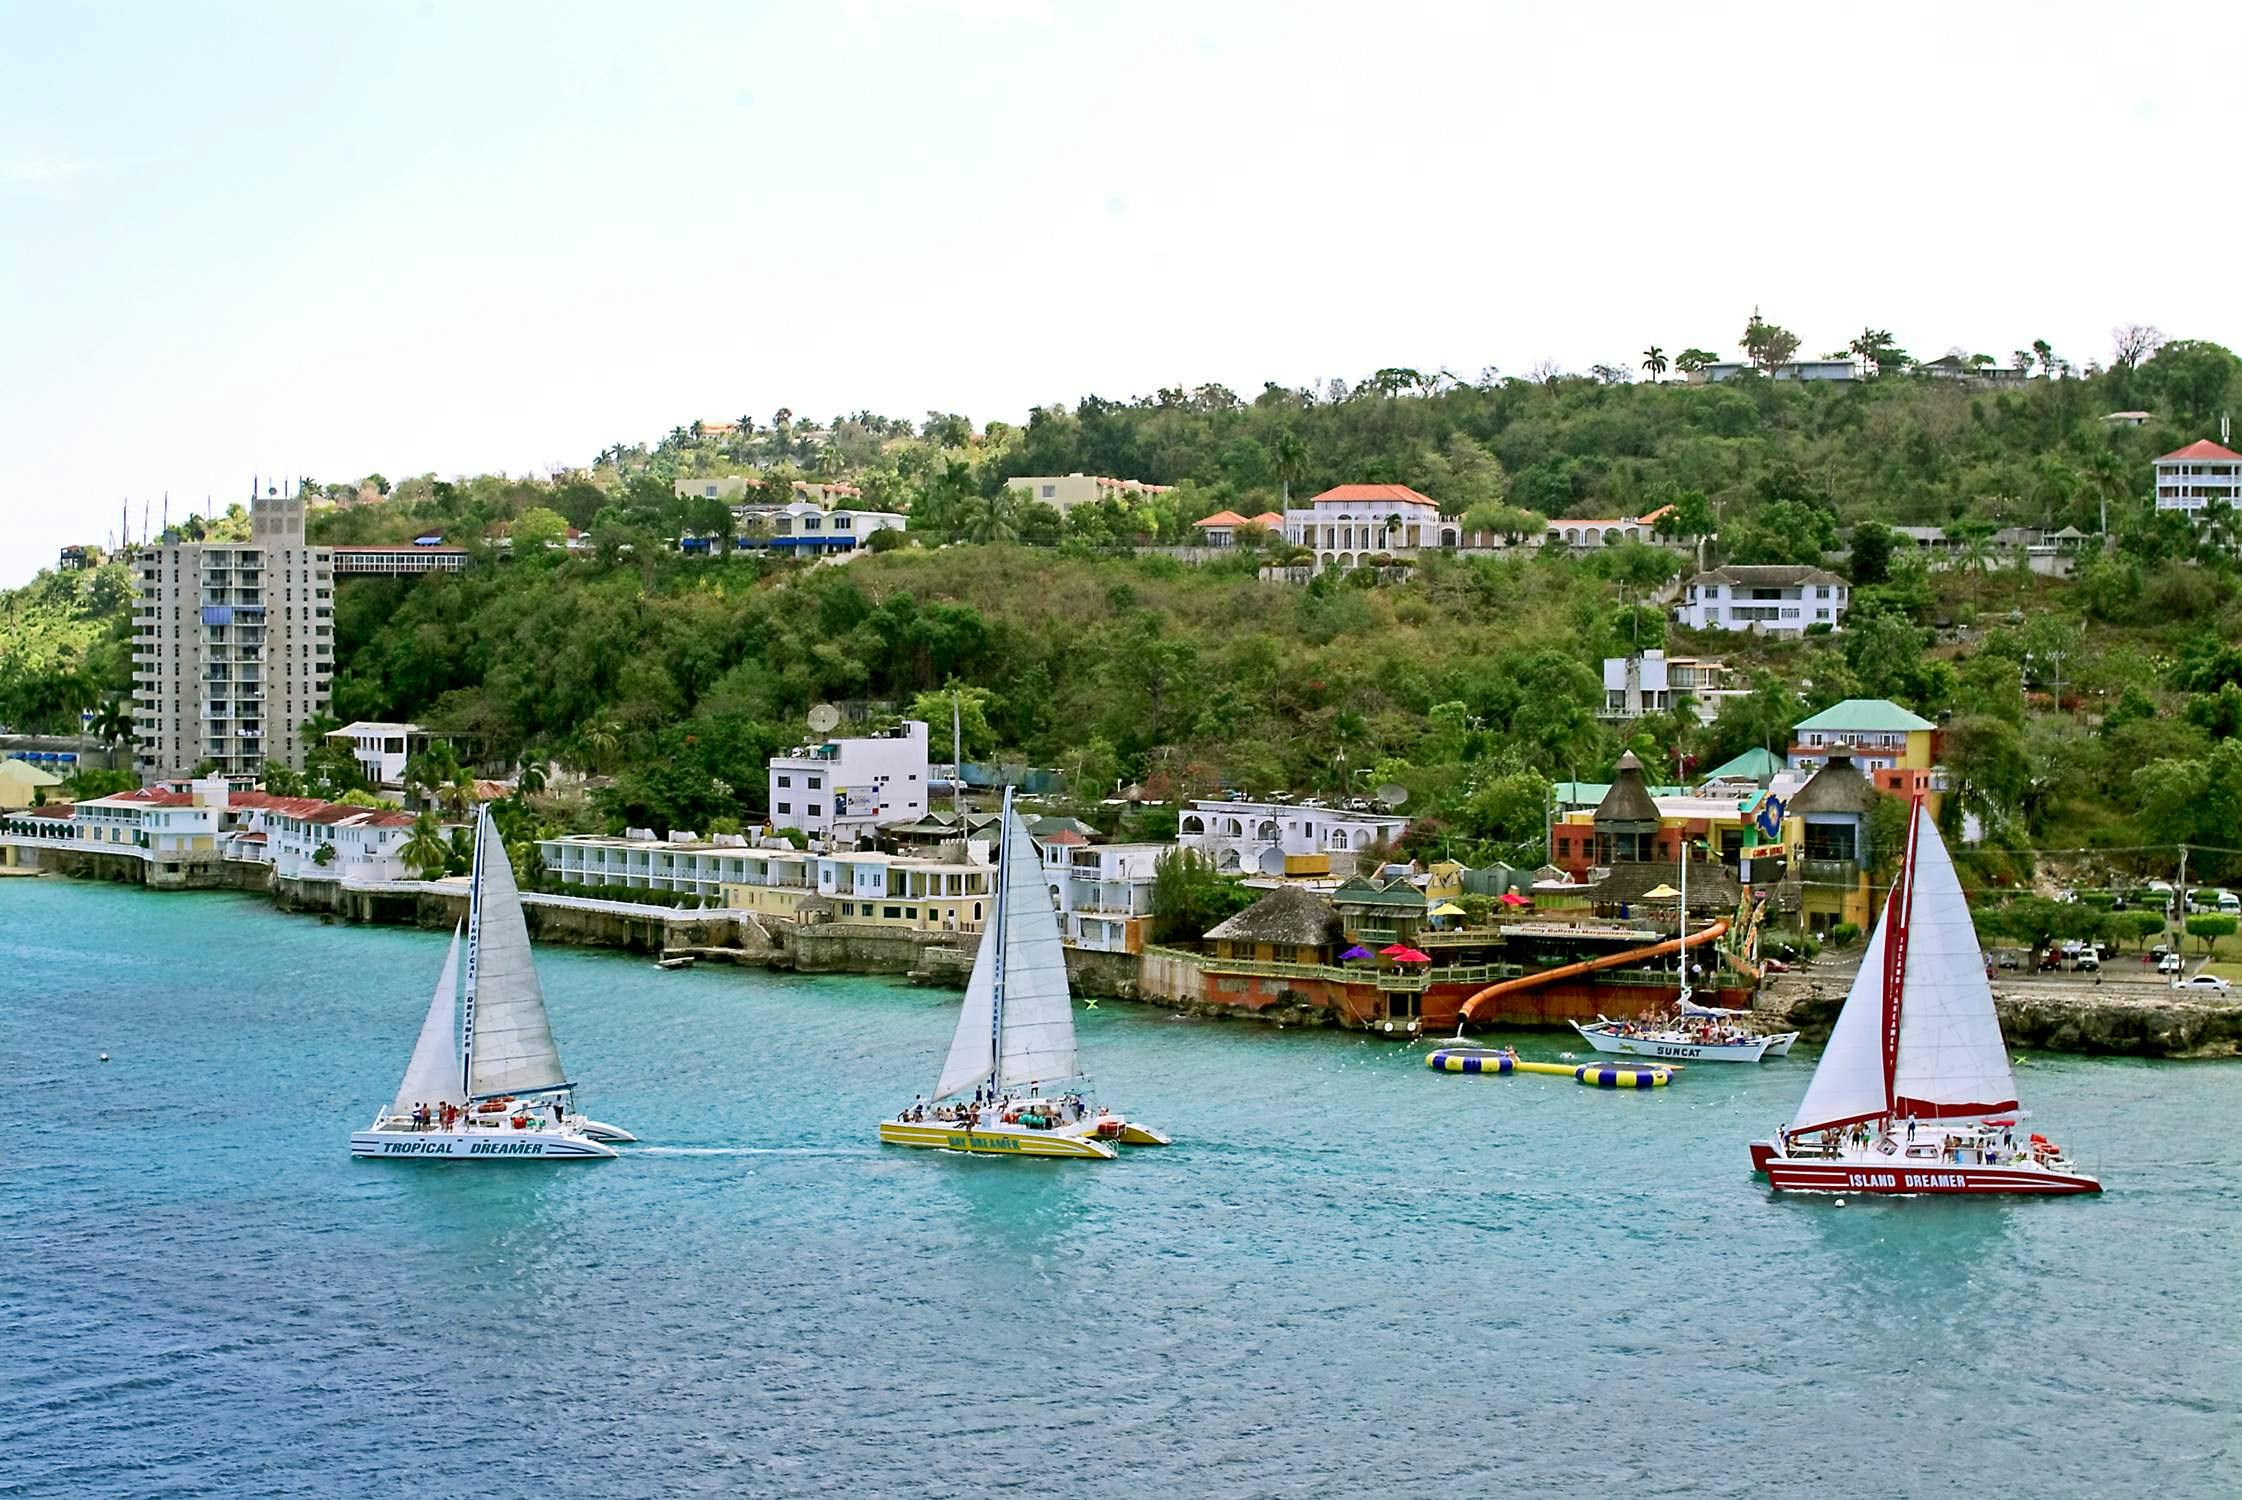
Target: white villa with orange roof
[1350,524]
[2190,478]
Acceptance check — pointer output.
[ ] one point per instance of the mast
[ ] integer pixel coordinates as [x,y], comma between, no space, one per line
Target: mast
[1895,954]
[996,1000]
[474,947]
[1685,914]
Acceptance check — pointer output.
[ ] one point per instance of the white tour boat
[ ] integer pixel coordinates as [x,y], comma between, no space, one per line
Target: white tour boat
[1697,1033]
[494,1069]
[1687,1039]
[1914,1092]
[1012,1084]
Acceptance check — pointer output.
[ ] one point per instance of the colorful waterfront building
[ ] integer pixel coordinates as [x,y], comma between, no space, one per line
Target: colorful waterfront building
[1895,749]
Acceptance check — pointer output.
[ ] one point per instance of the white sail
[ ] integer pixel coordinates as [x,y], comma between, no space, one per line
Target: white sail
[510,1044]
[432,1077]
[1848,1083]
[1951,1061]
[1038,1039]
[972,1049]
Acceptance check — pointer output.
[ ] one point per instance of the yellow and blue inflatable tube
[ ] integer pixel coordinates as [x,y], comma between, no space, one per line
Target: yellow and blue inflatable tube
[1604,1076]
[1471,1062]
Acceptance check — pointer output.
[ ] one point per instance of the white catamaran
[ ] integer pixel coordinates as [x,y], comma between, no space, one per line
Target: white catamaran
[485,1081]
[1914,1093]
[1012,1085]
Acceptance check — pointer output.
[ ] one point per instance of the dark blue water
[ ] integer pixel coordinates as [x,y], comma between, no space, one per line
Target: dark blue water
[1350,1276]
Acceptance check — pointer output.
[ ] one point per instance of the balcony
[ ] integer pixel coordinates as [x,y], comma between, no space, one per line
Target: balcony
[1839,872]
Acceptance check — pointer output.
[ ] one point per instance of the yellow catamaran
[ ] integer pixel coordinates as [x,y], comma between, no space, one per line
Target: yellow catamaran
[1012,1085]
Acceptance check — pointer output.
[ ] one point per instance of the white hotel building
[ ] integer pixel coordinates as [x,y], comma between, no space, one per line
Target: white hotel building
[841,788]
[1253,838]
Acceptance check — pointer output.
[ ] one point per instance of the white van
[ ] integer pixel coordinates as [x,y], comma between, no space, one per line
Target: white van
[2230,903]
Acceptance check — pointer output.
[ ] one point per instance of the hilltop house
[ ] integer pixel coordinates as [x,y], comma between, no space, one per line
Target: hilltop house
[1063,492]
[2189,479]
[1896,750]
[1588,535]
[1350,524]
[1781,600]
[1221,529]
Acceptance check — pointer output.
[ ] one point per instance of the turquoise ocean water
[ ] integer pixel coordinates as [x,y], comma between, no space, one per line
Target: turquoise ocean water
[1351,1276]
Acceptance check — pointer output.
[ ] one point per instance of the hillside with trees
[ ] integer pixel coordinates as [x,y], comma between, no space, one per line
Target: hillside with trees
[2103,711]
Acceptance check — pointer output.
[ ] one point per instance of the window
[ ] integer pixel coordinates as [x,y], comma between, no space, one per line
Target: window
[1049,490]
[786,781]
[813,782]
[785,807]
[815,810]
[891,912]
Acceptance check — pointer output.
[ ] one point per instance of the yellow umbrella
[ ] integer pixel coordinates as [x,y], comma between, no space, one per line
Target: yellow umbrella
[1446,909]
[1660,893]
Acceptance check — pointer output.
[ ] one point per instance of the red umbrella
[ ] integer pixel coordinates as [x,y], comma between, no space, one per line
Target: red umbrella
[1512,898]
[1395,950]
[1402,955]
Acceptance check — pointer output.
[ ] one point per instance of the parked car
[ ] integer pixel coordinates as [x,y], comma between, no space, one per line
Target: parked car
[2169,963]
[2009,958]
[2205,982]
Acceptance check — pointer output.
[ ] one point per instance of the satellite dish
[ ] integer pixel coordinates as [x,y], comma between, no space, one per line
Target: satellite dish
[823,717]
[1392,794]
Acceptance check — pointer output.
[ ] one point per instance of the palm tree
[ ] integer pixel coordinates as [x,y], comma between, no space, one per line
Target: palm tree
[457,795]
[1654,360]
[1292,462]
[601,741]
[992,518]
[531,778]
[315,729]
[112,723]
[426,850]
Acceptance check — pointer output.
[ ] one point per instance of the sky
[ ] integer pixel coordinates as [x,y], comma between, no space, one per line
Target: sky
[243,240]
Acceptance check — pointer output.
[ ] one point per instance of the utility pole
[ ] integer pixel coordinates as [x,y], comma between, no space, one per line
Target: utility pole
[2180,907]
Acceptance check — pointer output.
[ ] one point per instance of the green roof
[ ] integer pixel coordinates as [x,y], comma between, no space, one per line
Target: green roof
[1866,713]
[1361,892]
[1589,793]
[1754,764]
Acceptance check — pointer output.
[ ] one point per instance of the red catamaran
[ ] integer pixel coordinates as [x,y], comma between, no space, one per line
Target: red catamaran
[1914,1093]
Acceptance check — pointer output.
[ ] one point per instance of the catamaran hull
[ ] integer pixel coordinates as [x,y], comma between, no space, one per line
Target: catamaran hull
[982,1140]
[1911,1179]
[478,1145]
[1133,1134]
[599,1131]
[1751,1049]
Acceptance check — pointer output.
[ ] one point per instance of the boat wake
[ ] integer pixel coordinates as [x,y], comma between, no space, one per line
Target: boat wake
[753,1151]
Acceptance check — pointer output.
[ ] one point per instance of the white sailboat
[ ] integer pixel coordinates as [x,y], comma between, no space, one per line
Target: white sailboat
[1914,1093]
[483,1057]
[1012,1084]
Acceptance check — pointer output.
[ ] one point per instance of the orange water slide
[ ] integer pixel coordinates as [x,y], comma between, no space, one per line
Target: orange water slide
[1470,1010]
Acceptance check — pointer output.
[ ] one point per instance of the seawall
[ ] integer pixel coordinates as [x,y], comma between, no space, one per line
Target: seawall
[2119,1019]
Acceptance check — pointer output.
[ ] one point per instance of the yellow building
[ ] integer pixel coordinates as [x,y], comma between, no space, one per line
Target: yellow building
[20,784]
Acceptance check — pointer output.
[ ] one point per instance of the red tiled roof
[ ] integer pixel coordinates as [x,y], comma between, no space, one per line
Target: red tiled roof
[2204,448]
[1395,494]
[249,838]
[50,810]
[149,796]
[1222,518]
[1268,518]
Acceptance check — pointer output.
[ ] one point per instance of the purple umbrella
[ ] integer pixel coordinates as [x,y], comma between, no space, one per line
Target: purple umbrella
[1358,951]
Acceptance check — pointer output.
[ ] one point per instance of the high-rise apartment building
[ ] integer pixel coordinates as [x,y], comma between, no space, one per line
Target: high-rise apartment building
[233,645]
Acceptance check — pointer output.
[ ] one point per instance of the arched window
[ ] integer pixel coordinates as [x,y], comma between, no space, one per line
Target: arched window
[1612,538]
[1229,860]
[1338,838]
[1572,536]
[1267,830]
[1362,838]
[1447,536]
[1591,537]
[1191,824]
